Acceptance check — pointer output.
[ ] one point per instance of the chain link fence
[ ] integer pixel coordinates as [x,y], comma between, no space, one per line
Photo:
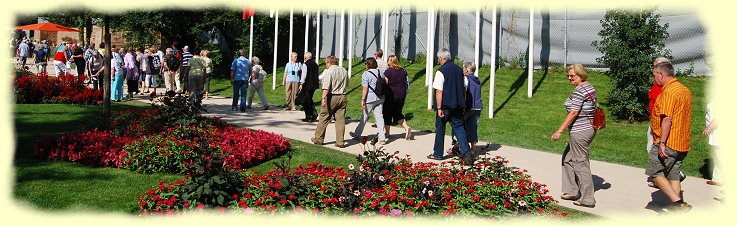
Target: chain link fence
[560,37]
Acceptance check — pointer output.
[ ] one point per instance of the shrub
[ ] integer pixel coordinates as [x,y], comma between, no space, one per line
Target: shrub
[630,41]
[169,151]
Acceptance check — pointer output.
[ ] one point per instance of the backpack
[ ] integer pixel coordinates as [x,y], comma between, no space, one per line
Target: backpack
[381,86]
[262,76]
[155,62]
[173,63]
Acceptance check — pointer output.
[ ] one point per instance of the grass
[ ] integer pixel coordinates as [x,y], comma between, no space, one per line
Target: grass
[528,122]
[66,186]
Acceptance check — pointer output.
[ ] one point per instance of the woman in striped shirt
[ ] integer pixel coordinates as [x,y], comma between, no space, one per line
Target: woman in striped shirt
[578,184]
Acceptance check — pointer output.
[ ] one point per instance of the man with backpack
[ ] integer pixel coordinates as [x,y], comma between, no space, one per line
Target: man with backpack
[372,99]
[171,66]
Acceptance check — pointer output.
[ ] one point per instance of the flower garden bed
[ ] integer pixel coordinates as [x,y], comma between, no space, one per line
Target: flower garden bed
[381,185]
[65,89]
[163,139]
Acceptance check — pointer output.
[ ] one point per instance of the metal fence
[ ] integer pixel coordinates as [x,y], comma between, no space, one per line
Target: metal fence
[560,37]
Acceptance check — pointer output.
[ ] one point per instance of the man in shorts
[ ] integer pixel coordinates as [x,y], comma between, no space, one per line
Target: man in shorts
[671,127]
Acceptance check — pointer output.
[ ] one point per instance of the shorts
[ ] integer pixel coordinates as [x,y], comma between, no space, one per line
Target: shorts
[669,167]
[60,67]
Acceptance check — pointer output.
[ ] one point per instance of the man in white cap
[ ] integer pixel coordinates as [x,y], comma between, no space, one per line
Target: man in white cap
[22,53]
[186,56]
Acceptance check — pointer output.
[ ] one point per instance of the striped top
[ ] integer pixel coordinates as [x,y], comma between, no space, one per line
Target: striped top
[673,102]
[582,100]
[335,80]
[186,56]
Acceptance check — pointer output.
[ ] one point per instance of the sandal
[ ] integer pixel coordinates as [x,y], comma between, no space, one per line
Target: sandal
[408,135]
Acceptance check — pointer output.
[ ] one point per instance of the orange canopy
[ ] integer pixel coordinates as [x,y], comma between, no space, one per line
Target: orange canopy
[46,27]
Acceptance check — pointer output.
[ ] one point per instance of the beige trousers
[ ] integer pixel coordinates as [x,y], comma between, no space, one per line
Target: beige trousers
[336,106]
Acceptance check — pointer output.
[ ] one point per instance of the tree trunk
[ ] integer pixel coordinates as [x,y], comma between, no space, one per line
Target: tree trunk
[88,29]
[108,56]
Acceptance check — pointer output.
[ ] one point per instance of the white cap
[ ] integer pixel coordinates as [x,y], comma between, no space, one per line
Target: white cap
[186,47]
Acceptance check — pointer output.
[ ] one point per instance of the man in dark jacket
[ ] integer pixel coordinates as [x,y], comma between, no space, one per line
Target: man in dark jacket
[450,101]
[308,84]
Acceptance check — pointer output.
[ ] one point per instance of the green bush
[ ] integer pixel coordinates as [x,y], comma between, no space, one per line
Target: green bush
[630,41]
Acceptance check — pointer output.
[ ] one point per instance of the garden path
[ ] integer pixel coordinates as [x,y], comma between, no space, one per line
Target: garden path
[620,190]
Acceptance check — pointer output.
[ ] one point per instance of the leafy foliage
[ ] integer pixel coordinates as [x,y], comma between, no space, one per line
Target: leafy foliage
[631,40]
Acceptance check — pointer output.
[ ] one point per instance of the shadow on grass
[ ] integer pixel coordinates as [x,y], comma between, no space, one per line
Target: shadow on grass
[513,89]
[43,170]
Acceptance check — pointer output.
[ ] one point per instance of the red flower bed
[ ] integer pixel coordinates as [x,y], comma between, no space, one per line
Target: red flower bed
[488,189]
[95,148]
[247,148]
[65,89]
[141,142]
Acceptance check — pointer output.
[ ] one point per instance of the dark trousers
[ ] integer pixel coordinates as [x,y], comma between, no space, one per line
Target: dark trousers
[309,105]
[455,117]
[185,78]
[99,82]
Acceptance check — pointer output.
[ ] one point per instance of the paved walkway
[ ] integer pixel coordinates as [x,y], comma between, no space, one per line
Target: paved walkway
[619,189]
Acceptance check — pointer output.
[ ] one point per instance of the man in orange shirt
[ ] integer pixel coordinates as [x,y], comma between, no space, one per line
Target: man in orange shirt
[671,125]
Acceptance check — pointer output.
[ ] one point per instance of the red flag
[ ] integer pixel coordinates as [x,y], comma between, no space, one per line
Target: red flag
[248,12]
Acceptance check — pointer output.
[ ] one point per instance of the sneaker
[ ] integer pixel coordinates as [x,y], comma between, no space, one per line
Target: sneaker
[568,197]
[679,207]
[314,141]
[584,205]
[354,136]
[383,142]
[266,108]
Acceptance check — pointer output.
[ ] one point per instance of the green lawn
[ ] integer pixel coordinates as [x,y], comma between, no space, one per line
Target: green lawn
[60,186]
[66,186]
[527,122]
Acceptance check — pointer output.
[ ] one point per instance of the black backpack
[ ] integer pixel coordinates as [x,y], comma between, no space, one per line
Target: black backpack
[381,86]
[173,63]
[154,63]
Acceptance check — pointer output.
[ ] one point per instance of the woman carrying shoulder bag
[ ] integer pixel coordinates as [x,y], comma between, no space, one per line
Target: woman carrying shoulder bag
[578,183]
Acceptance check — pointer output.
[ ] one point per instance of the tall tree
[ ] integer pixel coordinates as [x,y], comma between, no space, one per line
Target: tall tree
[630,41]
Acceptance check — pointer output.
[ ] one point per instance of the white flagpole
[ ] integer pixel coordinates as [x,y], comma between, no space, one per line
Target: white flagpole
[478,40]
[291,32]
[350,44]
[431,57]
[492,80]
[342,33]
[250,42]
[307,30]
[530,55]
[317,39]
[276,43]
[428,50]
